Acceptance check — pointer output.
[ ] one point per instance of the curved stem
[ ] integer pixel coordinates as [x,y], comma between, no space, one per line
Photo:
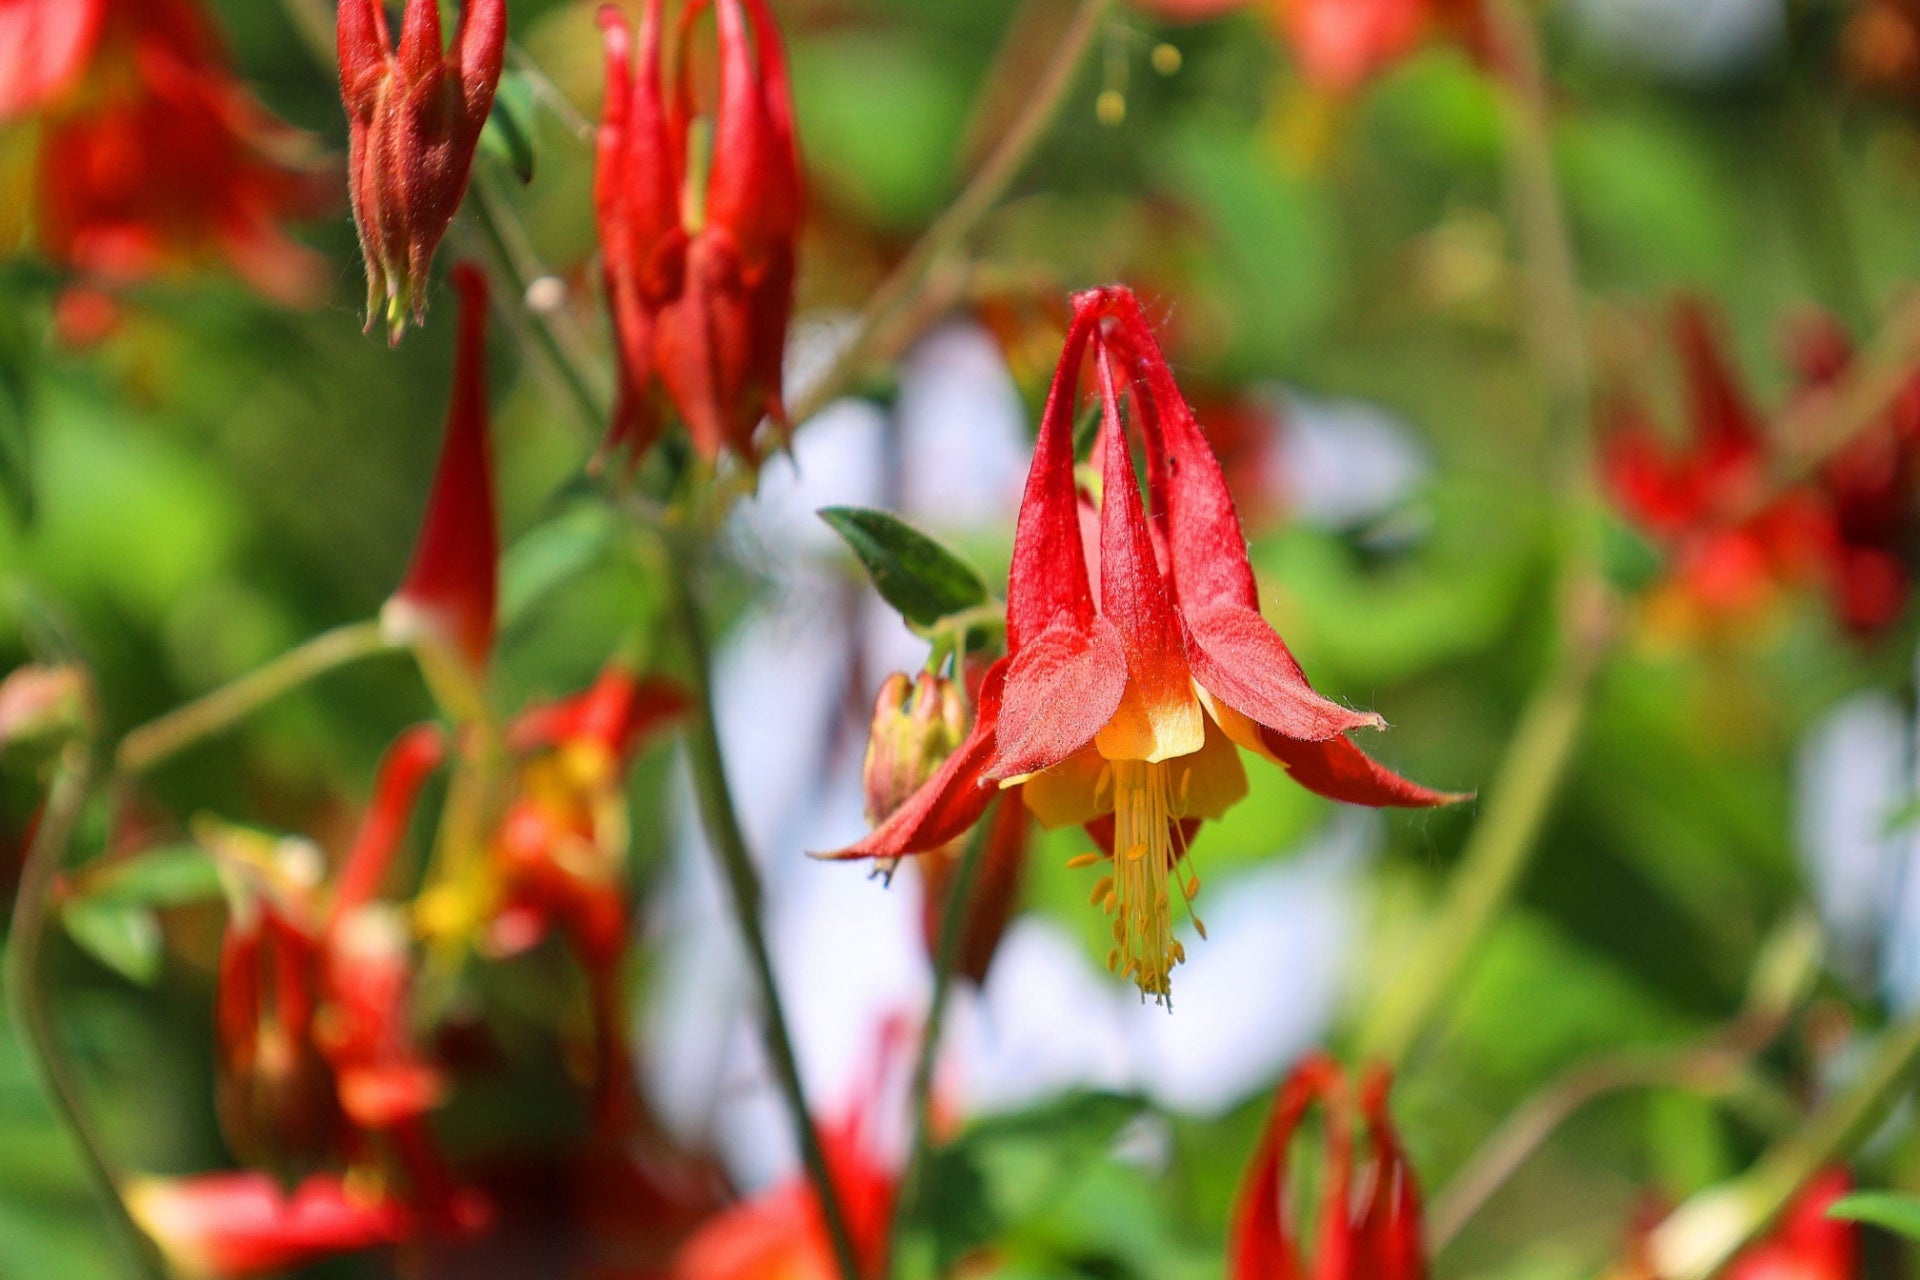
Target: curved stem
[26,1001]
[215,712]
[979,196]
[1703,1235]
[953,928]
[722,824]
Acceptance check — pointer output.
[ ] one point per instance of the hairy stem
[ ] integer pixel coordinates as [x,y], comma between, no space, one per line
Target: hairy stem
[953,928]
[26,998]
[215,712]
[721,822]
[979,196]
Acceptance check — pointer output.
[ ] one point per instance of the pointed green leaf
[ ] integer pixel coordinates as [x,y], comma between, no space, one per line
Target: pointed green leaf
[169,876]
[126,939]
[912,571]
[508,135]
[1896,1213]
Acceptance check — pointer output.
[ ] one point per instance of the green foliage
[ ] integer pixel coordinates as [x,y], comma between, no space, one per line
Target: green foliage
[912,571]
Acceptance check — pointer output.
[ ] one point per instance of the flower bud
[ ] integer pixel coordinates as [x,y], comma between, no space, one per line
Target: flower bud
[43,704]
[917,724]
[414,118]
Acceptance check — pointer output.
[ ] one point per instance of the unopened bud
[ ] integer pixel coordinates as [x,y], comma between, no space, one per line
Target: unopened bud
[917,724]
[42,704]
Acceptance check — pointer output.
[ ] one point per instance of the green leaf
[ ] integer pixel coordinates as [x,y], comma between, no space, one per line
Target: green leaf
[1897,1213]
[914,573]
[169,876]
[508,135]
[552,555]
[124,938]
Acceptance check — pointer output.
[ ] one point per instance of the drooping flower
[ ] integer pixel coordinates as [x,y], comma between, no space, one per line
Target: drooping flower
[560,856]
[414,116]
[231,1226]
[1731,546]
[1374,1236]
[1122,711]
[699,259]
[154,159]
[446,604]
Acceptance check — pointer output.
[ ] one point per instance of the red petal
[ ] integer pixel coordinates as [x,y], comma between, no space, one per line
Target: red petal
[412,758]
[479,55]
[1063,687]
[1048,580]
[1391,1245]
[1260,1246]
[1719,410]
[949,802]
[44,47]
[451,587]
[1159,716]
[230,1225]
[1339,770]
[754,188]
[421,55]
[1239,658]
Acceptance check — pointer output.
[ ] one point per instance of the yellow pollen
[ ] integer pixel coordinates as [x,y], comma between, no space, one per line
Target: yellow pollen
[1148,801]
[1101,891]
[1081,860]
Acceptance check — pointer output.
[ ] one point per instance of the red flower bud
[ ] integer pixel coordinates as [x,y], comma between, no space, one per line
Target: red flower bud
[446,605]
[699,277]
[917,724]
[414,117]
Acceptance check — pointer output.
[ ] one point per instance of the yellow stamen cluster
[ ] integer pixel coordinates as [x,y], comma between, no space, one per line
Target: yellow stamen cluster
[1148,849]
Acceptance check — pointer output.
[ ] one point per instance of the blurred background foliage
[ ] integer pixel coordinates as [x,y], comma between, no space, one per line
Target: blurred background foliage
[219,479]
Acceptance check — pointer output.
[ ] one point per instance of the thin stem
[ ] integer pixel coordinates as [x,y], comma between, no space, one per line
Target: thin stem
[1498,850]
[1703,1235]
[953,928]
[722,824]
[26,1000]
[979,196]
[215,712]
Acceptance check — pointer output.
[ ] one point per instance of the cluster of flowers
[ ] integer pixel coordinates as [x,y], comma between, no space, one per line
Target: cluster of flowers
[1734,533]
[1137,663]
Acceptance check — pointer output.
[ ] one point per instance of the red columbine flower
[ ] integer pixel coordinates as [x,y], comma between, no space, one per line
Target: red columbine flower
[562,847]
[699,265]
[1374,1237]
[1121,711]
[229,1226]
[1341,44]
[155,158]
[413,118]
[445,607]
[1730,548]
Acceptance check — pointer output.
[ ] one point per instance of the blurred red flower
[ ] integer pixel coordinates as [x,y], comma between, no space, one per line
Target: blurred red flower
[154,157]
[698,249]
[1374,1236]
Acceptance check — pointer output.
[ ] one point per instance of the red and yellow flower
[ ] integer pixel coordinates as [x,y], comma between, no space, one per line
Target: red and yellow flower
[1122,710]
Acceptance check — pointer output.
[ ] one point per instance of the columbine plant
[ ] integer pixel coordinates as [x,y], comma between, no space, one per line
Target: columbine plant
[1122,710]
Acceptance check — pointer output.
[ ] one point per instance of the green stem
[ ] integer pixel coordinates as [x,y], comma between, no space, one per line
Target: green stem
[148,745]
[1496,854]
[26,1000]
[1703,1235]
[953,928]
[722,824]
[979,196]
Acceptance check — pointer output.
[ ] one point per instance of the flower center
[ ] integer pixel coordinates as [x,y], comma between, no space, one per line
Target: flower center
[1147,849]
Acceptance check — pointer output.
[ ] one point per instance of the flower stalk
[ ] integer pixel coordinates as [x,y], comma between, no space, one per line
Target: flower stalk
[221,709]
[721,821]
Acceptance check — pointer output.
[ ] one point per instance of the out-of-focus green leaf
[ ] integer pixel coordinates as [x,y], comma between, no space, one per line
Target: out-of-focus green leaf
[171,876]
[913,572]
[551,555]
[508,135]
[1897,1213]
[123,937]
